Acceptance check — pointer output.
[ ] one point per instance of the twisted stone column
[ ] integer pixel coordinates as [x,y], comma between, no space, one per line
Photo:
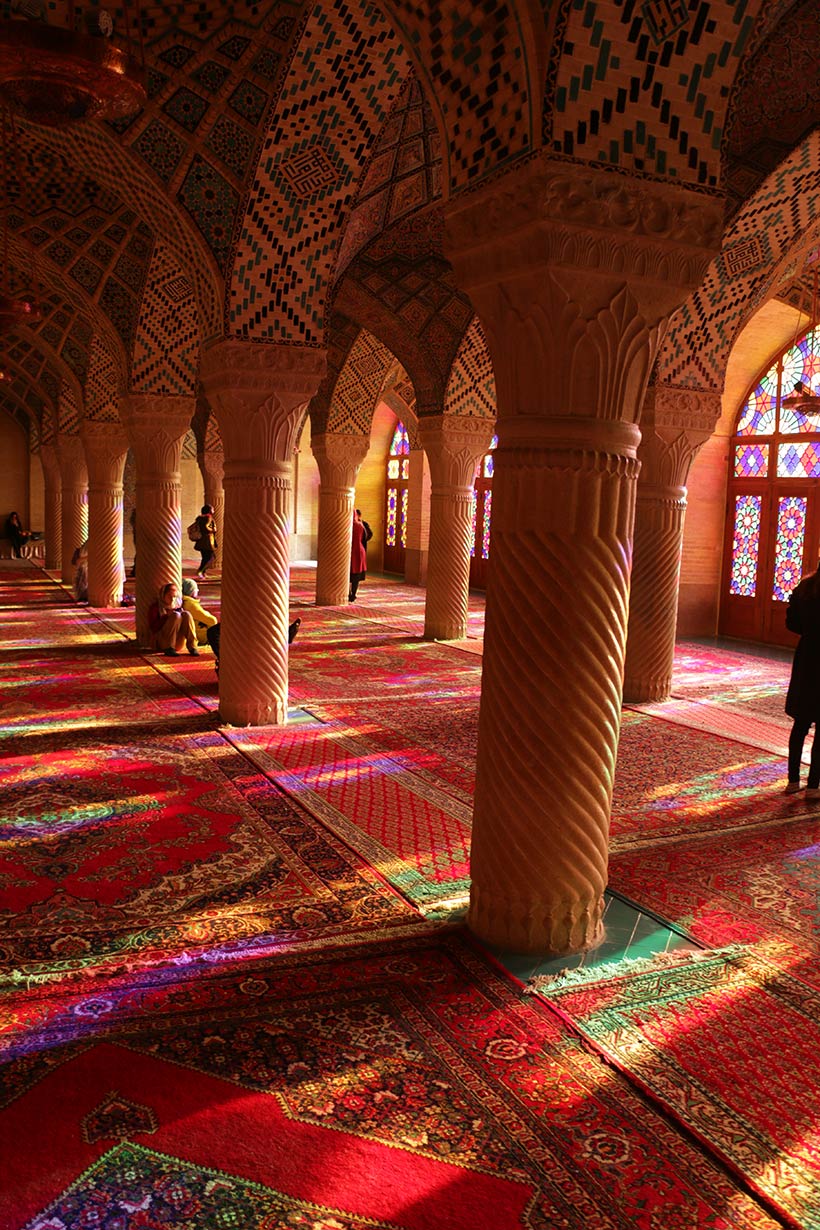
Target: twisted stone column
[156,425]
[259,395]
[53,492]
[74,503]
[338,458]
[573,272]
[212,467]
[675,423]
[453,445]
[106,448]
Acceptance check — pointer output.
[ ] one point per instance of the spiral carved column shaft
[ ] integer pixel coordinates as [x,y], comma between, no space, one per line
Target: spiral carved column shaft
[453,446]
[106,447]
[156,427]
[53,493]
[74,504]
[212,466]
[550,704]
[338,458]
[259,395]
[650,647]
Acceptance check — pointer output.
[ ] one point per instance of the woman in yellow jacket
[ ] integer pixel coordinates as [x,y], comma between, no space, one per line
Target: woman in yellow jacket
[203,620]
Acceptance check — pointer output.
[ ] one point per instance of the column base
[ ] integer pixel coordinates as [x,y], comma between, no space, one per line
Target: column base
[252,714]
[646,691]
[445,632]
[537,928]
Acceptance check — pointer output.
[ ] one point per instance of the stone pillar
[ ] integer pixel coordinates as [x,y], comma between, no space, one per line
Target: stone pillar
[212,467]
[573,272]
[74,503]
[53,492]
[156,425]
[418,517]
[259,395]
[106,447]
[454,445]
[338,458]
[674,425]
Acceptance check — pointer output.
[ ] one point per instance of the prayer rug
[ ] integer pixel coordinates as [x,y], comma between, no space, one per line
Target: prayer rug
[413,1088]
[729,1048]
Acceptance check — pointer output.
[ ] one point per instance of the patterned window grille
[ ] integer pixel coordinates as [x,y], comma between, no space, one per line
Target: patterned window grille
[745,545]
[392,509]
[788,550]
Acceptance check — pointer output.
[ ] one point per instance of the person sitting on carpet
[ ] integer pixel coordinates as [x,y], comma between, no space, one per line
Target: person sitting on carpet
[803,696]
[80,561]
[214,631]
[190,602]
[17,536]
[171,627]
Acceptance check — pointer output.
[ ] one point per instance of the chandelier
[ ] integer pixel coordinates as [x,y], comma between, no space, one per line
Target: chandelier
[19,296]
[58,74]
[803,399]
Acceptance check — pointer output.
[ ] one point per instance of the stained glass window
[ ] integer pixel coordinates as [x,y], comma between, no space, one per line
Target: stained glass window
[758,415]
[405,468]
[488,459]
[801,365]
[751,460]
[745,545]
[788,550]
[485,538]
[392,508]
[393,468]
[405,493]
[400,444]
[800,459]
[474,513]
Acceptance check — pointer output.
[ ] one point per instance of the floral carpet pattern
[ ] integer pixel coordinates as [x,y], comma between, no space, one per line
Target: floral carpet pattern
[412,1088]
[705,1037]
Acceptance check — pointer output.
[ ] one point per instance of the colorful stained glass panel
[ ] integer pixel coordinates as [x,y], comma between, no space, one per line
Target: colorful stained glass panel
[798,460]
[758,415]
[751,461]
[393,468]
[788,550]
[488,460]
[392,508]
[801,365]
[404,496]
[405,468]
[745,546]
[474,513]
[485,537]
[400,444]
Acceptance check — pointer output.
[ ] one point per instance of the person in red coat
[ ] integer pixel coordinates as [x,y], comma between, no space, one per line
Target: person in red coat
[358,556]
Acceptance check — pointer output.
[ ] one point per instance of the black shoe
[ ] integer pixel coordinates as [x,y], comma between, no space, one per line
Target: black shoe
[293,629]
[170,652]
[193,651]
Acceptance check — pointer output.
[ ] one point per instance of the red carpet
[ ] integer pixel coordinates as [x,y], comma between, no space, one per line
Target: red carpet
[731,1050]
[412,1089]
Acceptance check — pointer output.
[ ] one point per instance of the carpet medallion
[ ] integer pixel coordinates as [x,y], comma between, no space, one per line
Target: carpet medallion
[731,1048]
[413,1088]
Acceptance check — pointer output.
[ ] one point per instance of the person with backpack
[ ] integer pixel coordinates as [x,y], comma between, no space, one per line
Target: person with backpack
[803,696]
[202,534]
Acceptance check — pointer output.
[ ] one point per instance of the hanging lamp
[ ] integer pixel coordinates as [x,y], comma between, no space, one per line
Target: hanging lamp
[19,291]
[54,73]
[803,399]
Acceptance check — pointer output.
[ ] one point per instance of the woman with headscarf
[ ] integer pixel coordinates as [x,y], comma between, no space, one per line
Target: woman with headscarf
[206,540]
[358,556]
[203,620]
[16,534]
[171,627]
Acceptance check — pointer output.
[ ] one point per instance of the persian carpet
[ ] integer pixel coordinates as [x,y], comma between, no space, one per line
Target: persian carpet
[411,1089]
[731,1049]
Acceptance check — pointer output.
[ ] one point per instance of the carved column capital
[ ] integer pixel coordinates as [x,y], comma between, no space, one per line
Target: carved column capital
[212,464]
[71,457]
[675,423]
[155,425]
[105,446]
[338,457]
[50,461]
[259,395]
[454,444]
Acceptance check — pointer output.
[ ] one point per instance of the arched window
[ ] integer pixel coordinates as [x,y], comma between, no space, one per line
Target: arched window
[397,495]
[482,516]
[773,513]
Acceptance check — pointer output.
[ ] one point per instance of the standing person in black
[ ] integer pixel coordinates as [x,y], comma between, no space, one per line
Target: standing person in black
[206,541]
[16,534]
[368,533]
[803,697]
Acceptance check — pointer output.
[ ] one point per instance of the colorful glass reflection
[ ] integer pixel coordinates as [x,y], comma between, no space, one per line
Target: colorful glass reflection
[400,444]
[392,507]
[751,461]
[758,415]
[393,468]
[788,550]
[745,546]
[473,515]
[798,460]
[488,459]
[485,538]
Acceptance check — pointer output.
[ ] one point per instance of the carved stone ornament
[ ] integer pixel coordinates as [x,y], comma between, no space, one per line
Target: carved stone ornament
[103,442]
[551,211]
[453,444]
[338,456]
[688,409]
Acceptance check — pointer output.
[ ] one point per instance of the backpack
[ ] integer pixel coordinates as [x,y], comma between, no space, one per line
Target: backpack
[193,531]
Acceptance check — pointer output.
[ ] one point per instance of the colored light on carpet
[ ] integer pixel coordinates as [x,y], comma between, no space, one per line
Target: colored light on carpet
[732,1049]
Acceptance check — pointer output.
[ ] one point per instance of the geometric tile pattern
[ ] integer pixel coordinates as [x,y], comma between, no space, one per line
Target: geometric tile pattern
[613,74]
[474,53]
[780,216]
[212,203]
[403,172]
[358,386]
[166,348]
[340,338]
[68,410]
[101,386]
[341,84]
[471,387]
